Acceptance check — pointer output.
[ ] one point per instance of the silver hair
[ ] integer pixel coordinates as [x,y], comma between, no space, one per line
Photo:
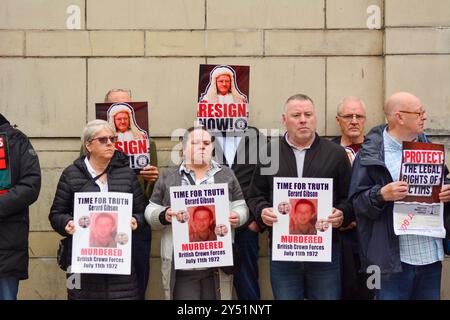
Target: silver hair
[92,128]
[128,91]
[349,98]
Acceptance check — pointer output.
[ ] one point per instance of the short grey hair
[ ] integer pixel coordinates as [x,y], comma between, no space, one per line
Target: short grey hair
[298,97]
[349,98]
[92,128]
[128,91]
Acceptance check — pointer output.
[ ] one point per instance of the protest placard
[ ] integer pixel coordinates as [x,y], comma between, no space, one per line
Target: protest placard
[102,239]
[223,92]
[130,122]
[302,232]
[201,228]
[421,212]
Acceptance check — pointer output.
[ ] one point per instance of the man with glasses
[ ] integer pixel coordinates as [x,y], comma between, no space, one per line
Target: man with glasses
[351,118]
[410,265]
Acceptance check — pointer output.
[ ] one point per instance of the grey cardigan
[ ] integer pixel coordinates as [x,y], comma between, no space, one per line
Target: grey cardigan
[160,201]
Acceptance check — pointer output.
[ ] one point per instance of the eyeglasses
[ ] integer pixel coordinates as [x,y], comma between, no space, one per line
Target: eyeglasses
[349,117]
[420,114]
[104,140]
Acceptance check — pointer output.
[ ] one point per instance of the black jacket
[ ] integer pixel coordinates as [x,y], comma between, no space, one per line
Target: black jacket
[378,242]
[248,156]
[14,214]
[76,178]
[324,159]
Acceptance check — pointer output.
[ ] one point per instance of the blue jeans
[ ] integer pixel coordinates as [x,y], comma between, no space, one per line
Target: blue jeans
[246,280]
[141,256]
[8,288]
[413,283]
[313,280]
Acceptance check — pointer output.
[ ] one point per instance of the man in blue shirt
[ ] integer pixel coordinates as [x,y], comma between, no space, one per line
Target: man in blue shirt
[410,265]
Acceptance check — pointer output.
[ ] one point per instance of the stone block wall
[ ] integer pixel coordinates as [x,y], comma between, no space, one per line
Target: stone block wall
[58,58]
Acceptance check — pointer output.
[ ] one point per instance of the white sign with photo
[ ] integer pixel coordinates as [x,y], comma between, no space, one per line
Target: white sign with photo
[201,229]
[102,239]
[302,232]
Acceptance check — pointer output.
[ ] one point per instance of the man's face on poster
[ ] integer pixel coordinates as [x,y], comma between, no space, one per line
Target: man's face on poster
[104,226]
[202,220]
[303,213]
[122,121]
[223,83]
[221,230]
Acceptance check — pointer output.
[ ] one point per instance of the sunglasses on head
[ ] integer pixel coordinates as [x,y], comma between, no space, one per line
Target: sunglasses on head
[104,140]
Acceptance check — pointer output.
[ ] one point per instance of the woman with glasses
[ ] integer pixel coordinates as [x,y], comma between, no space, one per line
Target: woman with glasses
[100,169]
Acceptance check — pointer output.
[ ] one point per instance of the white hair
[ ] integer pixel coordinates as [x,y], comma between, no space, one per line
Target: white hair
[127,91]
[350,98]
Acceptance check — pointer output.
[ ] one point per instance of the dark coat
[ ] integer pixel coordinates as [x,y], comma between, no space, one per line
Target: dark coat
[248,156]
[378,243]
[14,214]
[76,178]
[324,159]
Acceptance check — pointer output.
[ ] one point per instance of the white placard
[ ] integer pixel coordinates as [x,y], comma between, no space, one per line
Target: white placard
[302,206]
[201,228]
[102,239]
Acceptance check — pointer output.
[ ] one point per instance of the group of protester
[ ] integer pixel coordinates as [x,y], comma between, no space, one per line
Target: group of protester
[365,173]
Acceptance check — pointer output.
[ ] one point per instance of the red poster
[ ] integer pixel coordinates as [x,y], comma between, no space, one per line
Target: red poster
[223,92]
[423,170]
[130,121]
[421,212]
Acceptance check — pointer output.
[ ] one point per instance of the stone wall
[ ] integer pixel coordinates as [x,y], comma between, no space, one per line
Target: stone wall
[57,58]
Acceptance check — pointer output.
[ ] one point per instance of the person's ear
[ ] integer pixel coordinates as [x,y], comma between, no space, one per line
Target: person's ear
[399,117]
[87,146]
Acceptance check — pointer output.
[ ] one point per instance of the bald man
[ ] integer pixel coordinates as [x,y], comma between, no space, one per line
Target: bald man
[410,265]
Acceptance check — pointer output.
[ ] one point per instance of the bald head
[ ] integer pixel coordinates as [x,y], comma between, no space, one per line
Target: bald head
[405,115]
[399,101]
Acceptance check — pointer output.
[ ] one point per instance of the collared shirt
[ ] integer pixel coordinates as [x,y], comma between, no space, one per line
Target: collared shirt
[414,249]
[229,146]
[209,176]
[103,186]
[299,155]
